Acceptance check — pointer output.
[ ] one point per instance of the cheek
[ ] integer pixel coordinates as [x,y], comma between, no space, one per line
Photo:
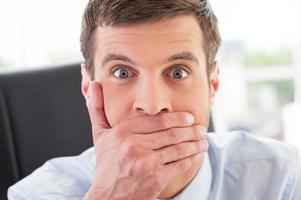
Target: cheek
[193,99]
[117,103]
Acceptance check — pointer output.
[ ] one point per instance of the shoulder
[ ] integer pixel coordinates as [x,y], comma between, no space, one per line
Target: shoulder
[253,165]
[241,146]
[57,178]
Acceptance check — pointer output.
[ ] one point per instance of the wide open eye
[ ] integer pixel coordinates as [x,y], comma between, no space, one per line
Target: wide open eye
[178,73]
[122,73]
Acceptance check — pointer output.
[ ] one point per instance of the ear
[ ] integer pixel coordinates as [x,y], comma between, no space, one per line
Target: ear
[85,80]
[214,81]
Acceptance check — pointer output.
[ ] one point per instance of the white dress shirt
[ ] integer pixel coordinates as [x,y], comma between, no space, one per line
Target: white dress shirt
[238,166]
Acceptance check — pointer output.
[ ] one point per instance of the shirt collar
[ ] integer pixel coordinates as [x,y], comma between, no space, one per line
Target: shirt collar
[199,187]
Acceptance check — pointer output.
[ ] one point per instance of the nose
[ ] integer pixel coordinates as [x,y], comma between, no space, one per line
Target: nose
[152,98]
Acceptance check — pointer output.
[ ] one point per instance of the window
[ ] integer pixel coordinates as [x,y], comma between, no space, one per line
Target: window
[39,33]
[260,57]
[260,68]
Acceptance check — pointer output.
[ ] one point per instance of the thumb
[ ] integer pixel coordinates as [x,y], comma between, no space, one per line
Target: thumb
[96,109]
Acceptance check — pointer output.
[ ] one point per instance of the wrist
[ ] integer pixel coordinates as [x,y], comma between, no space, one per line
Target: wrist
[95,194]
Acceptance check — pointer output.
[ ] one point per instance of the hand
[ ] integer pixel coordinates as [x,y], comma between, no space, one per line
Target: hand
[137,158]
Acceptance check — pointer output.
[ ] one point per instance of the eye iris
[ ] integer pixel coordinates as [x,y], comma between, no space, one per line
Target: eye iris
[177,73]
[123,73]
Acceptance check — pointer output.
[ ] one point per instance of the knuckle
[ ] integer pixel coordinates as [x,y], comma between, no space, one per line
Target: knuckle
[173,136]
[142,166]
[197,132]
[93,108]
[185,164]
[130,151]
[90,105]
[179,149]
[120,132]
[99,131]
[161,121]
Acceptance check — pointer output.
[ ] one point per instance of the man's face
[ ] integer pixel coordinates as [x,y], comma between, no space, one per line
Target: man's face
[154,67]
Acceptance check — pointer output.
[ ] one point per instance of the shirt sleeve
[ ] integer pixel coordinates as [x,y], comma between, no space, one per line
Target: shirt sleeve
[64,178]
[15,193]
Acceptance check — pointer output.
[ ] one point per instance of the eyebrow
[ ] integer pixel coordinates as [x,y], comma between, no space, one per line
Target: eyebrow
[186,55]
[179,56]
[116,57]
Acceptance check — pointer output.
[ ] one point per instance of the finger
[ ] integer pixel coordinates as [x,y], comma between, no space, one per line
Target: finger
[154,123]
[96,109]
[179,151]
[173,153]
[179,167]
[172,136]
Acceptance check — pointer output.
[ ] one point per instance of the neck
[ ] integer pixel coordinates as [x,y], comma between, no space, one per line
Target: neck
[176,185]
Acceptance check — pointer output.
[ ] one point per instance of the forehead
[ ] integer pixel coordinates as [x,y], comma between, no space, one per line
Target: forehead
[181,33]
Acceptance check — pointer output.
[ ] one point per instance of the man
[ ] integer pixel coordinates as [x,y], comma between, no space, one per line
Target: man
[149,79]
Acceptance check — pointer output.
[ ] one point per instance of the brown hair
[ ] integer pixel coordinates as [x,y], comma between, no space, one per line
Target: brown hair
[116,12]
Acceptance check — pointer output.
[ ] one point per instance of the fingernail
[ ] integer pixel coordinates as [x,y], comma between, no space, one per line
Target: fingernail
[189,119]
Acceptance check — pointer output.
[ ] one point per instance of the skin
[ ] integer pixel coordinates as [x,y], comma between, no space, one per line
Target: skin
[154,101]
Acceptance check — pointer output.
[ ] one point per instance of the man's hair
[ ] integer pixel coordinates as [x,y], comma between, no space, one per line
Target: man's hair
[119,12]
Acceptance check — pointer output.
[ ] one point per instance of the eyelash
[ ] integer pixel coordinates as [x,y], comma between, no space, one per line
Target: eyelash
[122,67]
[132,71]
[175,67]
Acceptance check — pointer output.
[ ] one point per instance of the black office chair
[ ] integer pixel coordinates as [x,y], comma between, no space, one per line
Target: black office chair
[42,115]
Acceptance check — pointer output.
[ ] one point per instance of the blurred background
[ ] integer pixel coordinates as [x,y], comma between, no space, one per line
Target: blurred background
[260,58]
